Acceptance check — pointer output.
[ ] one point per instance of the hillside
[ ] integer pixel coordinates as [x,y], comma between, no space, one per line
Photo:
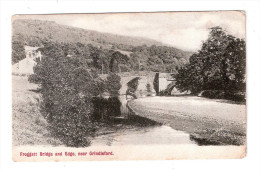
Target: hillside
[34,31]
[142,54]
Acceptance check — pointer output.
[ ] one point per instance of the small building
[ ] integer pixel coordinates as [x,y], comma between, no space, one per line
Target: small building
[32,52]
[25,66]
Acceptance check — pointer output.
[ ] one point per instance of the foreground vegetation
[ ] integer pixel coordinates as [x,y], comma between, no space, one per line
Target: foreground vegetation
[28,124]
[68,86]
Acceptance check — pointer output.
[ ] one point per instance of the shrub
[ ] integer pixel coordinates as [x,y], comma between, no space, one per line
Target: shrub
[213,94]
[220,94]
[148,89]
[235,96]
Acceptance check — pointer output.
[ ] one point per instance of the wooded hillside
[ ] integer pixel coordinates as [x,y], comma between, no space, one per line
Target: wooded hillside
[140,53]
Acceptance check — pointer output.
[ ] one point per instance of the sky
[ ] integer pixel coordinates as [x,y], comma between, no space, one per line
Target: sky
[184,30]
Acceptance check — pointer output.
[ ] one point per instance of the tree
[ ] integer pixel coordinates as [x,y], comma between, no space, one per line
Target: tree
[67,88]
[156,83]
[218,65]
[234,65]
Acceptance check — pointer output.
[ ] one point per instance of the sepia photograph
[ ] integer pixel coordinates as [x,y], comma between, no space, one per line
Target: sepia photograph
[129,86]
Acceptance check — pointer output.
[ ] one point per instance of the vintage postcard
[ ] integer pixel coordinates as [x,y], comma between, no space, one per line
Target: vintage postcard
[129,86]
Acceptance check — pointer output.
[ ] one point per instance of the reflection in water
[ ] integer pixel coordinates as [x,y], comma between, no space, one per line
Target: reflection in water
[144,136]
[145,132]
[123,108]
[204,141]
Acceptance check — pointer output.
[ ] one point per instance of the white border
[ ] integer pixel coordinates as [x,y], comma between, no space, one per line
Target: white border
[8,8]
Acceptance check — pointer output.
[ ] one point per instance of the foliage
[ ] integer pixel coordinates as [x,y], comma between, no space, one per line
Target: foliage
[156,83]
[18,52]
[113,84]
[157,58]
[219,65]
[67,88]
[213,94]
[133,84]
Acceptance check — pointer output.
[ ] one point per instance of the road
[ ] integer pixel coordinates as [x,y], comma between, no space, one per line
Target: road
[220,120]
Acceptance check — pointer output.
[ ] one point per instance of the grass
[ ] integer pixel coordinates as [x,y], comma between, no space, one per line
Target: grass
[29,126]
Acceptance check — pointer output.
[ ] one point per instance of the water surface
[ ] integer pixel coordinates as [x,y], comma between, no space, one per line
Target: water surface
[161,135]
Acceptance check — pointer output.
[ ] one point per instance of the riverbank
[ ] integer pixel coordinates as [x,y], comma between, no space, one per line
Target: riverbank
[208,121]
[28,124]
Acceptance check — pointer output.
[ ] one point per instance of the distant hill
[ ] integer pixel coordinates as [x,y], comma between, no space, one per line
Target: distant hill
[34,31]
[143,54]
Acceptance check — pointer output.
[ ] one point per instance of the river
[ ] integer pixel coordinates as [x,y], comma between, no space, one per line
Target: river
[157,135]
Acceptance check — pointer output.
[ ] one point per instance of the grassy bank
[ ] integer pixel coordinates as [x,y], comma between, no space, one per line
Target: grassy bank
[29,126]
